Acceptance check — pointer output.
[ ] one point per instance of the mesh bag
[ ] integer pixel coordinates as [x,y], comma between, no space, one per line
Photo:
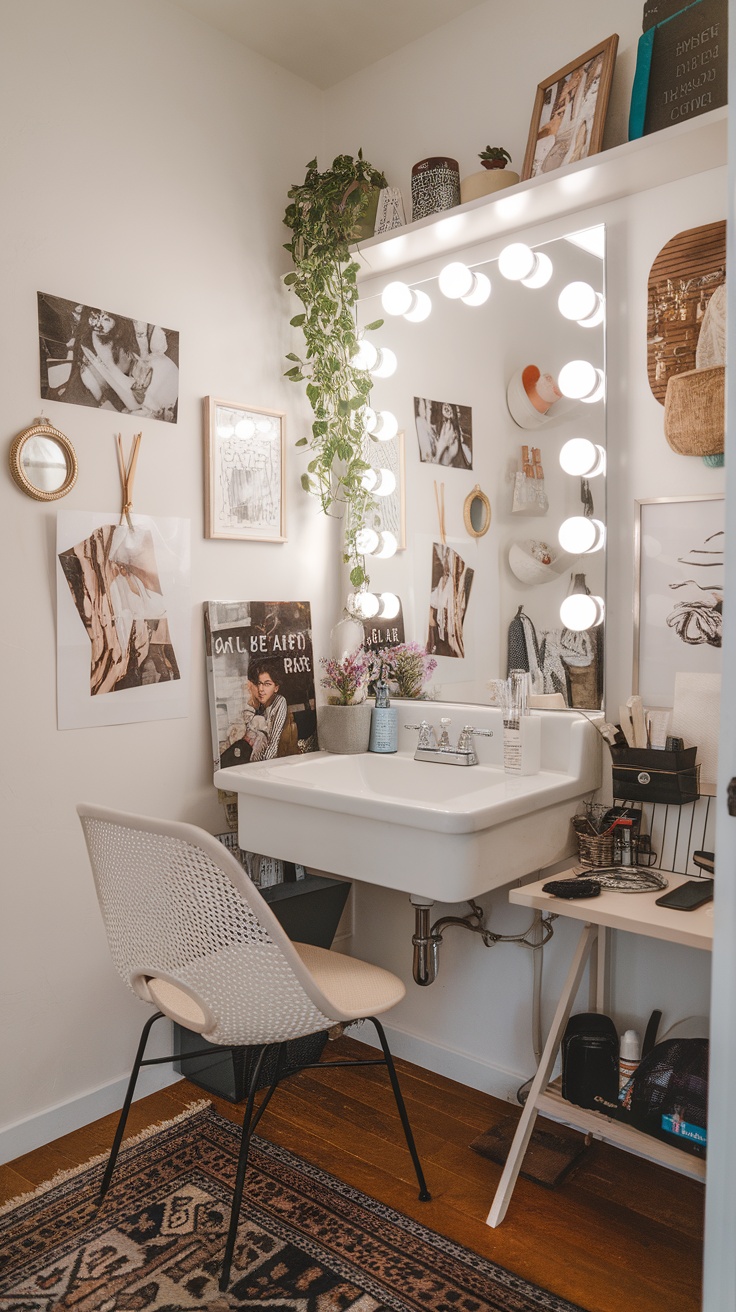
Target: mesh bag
[667,1096]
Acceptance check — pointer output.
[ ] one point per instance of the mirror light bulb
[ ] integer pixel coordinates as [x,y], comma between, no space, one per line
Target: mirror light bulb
[245,428]
[225,430]
[379,482]
[396,298]
[580,380]
[516,261]
[420,308]
[366,541]
[541,273]
[577,300]
[456,280]
[479,292]
[386,363]
[390,605]
[363,604]
[369,419]
[264,426]
[582,458]
[385,428]
[580,611]
[388,547]
[365,356]
[579,535]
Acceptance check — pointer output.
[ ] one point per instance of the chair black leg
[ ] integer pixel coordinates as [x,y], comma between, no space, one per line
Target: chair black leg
[107,1177]
[242,1165]
[424,1194]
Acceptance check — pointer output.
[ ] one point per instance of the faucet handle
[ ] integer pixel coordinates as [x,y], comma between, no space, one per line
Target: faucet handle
[465,741]
[427,737]
[444,739]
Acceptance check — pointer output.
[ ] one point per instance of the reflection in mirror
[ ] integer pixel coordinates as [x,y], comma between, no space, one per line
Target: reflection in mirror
[43,462]
[503,392]
[477,513]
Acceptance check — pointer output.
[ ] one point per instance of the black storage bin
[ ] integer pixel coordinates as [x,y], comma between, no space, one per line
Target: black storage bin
[590,1062]
[641,774]
[309,911]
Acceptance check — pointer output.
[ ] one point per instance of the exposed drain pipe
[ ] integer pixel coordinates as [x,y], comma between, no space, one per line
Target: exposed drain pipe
[427,936]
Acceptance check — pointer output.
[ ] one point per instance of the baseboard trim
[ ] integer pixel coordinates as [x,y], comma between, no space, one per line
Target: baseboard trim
[451,1062]
[24,1136]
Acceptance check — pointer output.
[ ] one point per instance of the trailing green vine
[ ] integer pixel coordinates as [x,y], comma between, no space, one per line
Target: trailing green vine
[323,215]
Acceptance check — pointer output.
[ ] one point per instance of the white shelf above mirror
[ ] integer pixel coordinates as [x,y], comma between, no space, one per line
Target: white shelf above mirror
[686,149]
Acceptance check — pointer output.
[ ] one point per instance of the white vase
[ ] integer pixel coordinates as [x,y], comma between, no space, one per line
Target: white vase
[344,729]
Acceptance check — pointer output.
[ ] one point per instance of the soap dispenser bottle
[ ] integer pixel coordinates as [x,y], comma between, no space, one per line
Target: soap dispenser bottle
[384,721]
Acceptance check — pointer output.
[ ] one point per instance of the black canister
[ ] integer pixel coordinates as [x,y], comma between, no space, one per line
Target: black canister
[435,186]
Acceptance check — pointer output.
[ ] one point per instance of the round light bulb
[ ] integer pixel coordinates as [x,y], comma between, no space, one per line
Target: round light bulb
[480,291]
[582,458]
[385,428]
[390,605]
[264,426]
[386,363]
[386,483]
[366,355]
[364,604]
[366,541]
[388,547]
[396,298]
[516,261]
[369,478]
[579,612]
[599,390]
[455,280]
[578,379]
[579,535]
[577,301]
[541,273]
[225,430]
[420,309]
[245,428]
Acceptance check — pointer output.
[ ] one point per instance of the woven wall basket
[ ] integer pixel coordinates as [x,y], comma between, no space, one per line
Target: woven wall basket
[694,411]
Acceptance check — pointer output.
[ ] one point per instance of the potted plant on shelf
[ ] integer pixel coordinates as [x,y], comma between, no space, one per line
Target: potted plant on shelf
[324,215]
[344,724]
[494,175]
[494,157]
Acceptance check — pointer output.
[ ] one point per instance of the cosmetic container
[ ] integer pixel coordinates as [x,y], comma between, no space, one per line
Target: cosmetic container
[384,721]
[629,1056]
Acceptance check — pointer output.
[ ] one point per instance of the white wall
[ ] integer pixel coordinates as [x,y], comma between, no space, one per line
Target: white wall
[452,92]
[145,167]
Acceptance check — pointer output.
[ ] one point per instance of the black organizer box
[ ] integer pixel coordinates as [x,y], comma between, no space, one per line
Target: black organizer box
[641,774]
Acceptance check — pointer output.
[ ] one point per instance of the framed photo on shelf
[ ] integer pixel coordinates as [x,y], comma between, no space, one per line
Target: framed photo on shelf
[678,592]
[570,111]
[244,472]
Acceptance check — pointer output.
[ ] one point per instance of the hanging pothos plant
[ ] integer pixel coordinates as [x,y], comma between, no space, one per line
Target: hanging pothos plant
[323,216]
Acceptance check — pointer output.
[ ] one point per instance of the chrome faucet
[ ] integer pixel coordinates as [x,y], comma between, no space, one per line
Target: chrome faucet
[441,751]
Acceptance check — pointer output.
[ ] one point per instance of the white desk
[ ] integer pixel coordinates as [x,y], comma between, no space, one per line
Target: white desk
[637,913]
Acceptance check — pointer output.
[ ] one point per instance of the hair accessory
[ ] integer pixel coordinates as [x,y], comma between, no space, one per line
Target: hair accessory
[572,888]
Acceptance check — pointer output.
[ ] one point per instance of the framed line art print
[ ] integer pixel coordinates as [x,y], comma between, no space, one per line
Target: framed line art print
[678,592]
[570,111]
[244,472]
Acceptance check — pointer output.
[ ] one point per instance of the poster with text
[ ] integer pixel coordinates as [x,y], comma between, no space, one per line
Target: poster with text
[260,676]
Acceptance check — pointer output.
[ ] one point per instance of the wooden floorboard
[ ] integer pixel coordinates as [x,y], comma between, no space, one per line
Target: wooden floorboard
[619,1232]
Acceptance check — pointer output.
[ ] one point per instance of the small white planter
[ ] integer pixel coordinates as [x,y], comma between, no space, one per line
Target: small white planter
[344,729]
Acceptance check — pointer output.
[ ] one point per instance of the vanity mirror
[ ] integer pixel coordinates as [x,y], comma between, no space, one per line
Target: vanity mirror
[43,462]
[500,387]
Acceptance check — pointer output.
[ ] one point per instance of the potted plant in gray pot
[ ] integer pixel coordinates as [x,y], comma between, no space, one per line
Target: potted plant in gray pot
[344,723]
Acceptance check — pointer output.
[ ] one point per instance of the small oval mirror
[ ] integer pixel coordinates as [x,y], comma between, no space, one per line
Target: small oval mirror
[43,462]
[477,513]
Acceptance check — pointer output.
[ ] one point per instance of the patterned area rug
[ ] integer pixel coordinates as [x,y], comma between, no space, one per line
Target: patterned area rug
[307,1242]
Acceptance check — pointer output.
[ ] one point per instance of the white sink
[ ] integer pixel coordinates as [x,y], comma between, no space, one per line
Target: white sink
[443,832]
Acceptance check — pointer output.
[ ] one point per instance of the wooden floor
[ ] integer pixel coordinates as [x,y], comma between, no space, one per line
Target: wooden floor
[618,1233]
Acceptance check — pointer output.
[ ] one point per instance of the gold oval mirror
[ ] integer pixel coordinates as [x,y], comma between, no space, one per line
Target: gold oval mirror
[43,462]
[477,513]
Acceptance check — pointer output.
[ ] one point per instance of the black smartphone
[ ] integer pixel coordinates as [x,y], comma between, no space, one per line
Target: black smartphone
[693,893]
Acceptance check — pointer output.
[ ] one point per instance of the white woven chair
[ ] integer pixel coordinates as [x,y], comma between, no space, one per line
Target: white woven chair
[190,933]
